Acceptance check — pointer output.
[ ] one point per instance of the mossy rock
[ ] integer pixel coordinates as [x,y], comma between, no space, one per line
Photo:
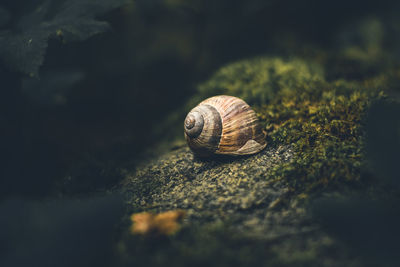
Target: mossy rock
[315,145]
[211,189]
[258,80]
[237,213]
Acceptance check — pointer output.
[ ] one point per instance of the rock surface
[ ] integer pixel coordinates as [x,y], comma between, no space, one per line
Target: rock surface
[209,190]
[228,200]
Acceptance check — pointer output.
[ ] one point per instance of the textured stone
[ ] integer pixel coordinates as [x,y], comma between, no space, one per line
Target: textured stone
[209,189]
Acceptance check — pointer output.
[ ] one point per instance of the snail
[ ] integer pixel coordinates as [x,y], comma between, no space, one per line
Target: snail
[223,125]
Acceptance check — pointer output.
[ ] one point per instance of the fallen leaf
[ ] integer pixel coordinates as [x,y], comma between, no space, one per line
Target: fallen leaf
[165,223]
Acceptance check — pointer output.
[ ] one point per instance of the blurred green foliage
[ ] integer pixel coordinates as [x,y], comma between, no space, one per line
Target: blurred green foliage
[24,41]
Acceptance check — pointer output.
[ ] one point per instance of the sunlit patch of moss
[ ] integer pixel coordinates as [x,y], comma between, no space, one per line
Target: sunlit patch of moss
[322,120]
[258,80]
[324,124]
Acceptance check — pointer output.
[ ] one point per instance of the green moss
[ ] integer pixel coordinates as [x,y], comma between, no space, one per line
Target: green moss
[257,81]
[297,106]
[324,125]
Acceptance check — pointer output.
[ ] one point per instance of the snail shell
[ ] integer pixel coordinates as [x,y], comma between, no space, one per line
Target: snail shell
[223,125]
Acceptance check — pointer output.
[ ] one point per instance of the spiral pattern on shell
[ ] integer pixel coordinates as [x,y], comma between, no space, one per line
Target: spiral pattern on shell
[223,125]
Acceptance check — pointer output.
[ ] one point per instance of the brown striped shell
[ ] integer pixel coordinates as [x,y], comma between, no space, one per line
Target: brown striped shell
[223,125]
